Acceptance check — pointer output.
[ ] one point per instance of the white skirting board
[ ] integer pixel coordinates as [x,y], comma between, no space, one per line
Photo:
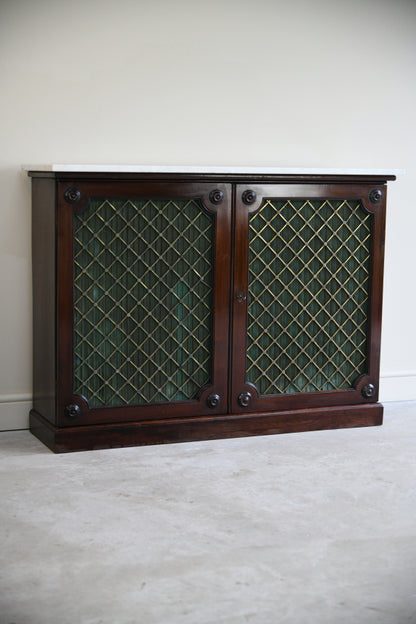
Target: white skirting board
[14,409]
[400,386]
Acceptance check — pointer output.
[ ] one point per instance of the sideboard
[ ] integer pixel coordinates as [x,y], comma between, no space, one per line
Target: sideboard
[179,304]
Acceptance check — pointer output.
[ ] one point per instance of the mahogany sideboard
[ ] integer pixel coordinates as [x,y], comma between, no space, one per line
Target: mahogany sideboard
[185,304]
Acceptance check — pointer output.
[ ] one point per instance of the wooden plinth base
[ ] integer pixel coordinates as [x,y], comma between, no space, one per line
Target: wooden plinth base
[90,437]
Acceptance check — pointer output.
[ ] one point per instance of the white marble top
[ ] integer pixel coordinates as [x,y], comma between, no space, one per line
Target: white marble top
[83,168]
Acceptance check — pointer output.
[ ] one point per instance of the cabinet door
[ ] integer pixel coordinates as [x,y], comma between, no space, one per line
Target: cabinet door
[143,300]
[306,295]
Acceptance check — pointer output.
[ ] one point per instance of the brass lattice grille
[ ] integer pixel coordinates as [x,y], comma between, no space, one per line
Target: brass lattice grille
[142,300]
[308,295]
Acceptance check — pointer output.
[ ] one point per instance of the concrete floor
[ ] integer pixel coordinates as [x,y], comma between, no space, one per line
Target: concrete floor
[316,528]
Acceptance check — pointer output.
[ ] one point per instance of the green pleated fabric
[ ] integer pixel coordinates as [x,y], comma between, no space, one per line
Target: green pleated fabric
[308,295]
[142,300]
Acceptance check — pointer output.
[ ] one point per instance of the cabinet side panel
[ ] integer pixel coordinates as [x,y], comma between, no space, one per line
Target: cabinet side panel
[44,290]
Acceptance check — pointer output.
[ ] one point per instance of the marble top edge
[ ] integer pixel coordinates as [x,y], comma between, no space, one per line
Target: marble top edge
[84,168]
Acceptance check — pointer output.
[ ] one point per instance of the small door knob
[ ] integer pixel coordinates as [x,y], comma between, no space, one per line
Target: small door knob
[72,195]
[249,197]
[216,196]
[241,296]
[368,391]
[213,400]
[244,399]
[72,410]
[376,196]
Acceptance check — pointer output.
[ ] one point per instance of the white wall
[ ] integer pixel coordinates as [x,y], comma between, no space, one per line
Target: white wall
[324,83]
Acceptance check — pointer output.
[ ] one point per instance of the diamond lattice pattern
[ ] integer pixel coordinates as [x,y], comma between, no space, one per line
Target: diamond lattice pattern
[308,295]
[142,301]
